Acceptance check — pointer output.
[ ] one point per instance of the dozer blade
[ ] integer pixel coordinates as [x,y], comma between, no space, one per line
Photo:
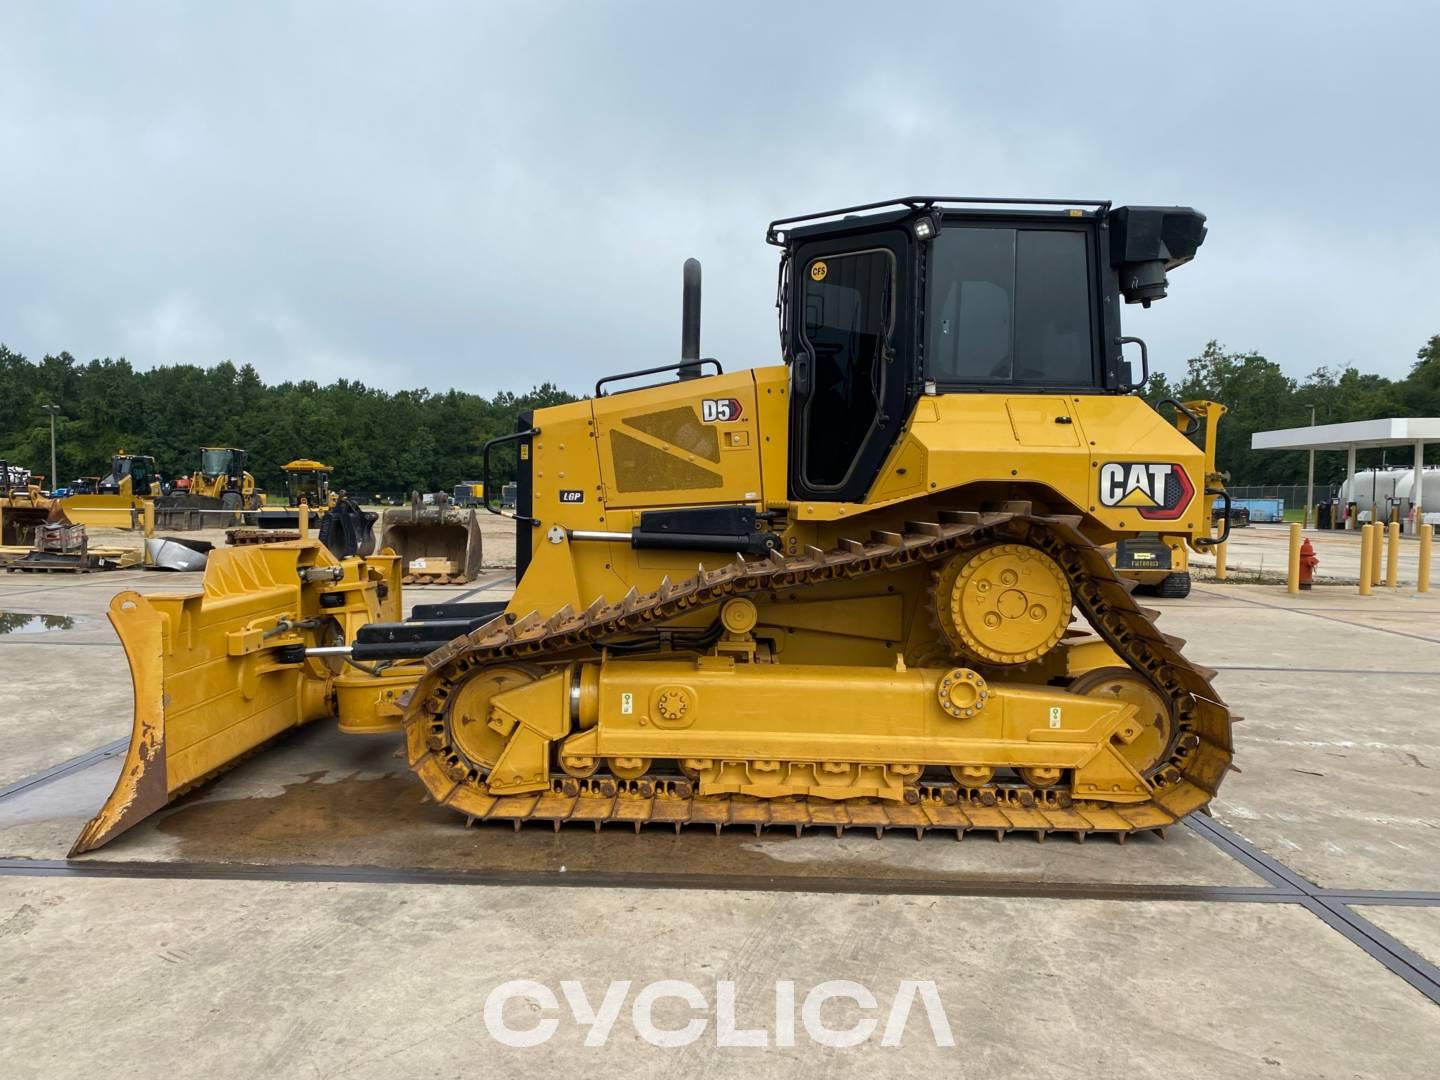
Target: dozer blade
[101,511]
[434,542]
[211,676]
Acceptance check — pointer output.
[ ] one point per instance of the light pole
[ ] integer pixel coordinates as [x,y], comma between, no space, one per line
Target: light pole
[52,410]
[1310,476]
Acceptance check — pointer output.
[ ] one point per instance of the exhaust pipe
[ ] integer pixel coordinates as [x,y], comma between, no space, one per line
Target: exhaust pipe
[690,322]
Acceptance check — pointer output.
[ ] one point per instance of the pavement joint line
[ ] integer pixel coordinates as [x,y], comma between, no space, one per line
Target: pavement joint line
[1283,884]
[45,639]
[484,585]
[1031,890]
[1342,622]
[1329,906]
[1326,671]
[64,768]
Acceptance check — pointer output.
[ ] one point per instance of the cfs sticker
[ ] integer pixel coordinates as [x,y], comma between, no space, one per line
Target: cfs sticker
[572,496]
[818,270]
[1159,491]
[723,410]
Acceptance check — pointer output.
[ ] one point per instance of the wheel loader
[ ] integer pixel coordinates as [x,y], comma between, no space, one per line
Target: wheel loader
[863,588]
[221,483]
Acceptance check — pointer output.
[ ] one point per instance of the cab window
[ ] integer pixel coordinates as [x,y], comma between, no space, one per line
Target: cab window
[1010,306]
[847,321]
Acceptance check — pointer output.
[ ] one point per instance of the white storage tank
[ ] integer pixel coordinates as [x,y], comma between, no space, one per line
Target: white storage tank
[1373,487]
[1429,492]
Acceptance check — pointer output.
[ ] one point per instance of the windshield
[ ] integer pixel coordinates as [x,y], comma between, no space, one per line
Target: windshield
[1010,305]
[306,485]
[214,463]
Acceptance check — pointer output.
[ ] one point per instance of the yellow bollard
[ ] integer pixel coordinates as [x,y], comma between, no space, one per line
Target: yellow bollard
[1292,575]
[304,519]
[1367,545]
[1422,582]
[1392,554]
[1220,554]
[148,512]
[1377,552]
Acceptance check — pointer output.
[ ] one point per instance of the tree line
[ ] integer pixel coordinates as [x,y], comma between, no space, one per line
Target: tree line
[382,442]
[378,442]
[1261,397]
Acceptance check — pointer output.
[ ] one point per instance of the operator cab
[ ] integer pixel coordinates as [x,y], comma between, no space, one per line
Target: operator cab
[932,295]
[139,467]
[308,480]
[216,462]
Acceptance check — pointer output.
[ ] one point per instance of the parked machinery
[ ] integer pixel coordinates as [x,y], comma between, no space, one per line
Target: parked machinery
[340,522]
[470,493]
[842,592]
[115,498]
[221,483]
[23,506]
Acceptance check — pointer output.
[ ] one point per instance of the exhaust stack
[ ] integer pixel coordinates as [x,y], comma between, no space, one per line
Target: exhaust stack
[690,322]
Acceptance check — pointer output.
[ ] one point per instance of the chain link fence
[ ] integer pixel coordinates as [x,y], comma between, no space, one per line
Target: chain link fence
[1293,495]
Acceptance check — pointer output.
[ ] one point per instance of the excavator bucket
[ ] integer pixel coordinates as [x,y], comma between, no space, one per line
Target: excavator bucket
[435,543]
[220,672]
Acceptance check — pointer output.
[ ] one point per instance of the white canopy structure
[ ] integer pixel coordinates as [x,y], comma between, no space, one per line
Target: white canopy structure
[1414,431]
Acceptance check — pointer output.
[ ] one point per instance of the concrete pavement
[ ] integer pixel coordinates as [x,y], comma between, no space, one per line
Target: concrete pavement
[1340,754]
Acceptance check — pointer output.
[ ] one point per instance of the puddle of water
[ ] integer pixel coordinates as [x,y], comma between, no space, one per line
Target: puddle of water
[25,622]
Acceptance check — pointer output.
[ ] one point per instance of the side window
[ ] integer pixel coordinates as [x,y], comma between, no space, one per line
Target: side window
[848,317]
[1053,338]
[1010,306]
[973,271]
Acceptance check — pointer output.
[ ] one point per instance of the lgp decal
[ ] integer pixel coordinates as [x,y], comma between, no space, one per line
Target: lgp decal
[570,495]
[1159,491]
[720,410]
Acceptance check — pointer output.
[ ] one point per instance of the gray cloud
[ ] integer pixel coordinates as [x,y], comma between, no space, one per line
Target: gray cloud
[490,195]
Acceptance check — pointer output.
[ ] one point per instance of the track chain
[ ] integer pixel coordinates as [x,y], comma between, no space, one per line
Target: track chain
[1200,757]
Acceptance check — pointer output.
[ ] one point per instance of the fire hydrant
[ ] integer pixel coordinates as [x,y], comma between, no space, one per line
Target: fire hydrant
[1308,561]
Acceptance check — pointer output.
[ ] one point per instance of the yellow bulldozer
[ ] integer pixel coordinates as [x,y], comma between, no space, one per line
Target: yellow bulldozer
[1157,562]
[116,497]
[861,589]
[220,483]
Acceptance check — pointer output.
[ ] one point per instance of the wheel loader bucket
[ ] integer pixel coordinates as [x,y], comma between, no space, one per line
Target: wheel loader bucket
[20,520]
[434,542]
[216,672]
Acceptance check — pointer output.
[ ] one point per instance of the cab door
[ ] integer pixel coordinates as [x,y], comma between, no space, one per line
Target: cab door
[849,342]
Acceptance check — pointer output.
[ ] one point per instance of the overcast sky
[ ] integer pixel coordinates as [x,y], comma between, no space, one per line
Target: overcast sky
[490,195]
